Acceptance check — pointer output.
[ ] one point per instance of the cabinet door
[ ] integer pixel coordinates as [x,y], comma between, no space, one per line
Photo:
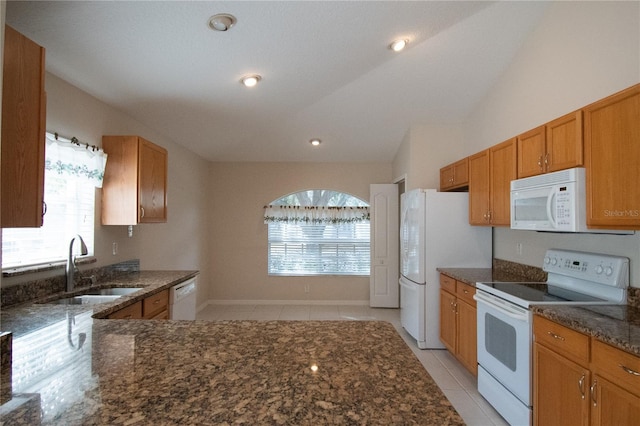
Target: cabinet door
[612,405]
[564,142]
[612,160]
[461,173]
[479,188]
[503,162]
[153,183]
[448,320]
[23,129]
[560,390]
[446,177]
[130,312]
[467,336]
[531,152]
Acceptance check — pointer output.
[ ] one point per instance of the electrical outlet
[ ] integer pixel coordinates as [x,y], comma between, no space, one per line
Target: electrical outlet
[306,288]
[114,249]
[519,249]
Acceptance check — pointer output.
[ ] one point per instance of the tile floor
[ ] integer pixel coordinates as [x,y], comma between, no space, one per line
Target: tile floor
[457,384]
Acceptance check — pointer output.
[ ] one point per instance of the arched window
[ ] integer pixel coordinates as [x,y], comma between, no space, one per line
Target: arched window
[318,232]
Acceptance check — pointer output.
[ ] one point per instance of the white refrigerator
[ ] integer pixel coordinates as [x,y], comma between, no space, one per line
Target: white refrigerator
[434,232]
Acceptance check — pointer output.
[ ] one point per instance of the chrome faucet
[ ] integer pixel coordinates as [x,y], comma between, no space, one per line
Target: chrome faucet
[71,261]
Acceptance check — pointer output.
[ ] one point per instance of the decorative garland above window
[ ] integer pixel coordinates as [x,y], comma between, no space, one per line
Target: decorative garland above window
[313,215]
[71,159]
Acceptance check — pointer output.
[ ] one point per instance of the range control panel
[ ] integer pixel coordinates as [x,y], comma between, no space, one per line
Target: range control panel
[600,268]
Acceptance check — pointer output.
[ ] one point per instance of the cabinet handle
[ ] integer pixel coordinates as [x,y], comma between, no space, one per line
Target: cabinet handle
[128,316]
[141,212]
[44,208]
[593,390]
[465,291]
[555,336]
[628,370]
[156,302]
[540,162]
[546,160]
[581,385]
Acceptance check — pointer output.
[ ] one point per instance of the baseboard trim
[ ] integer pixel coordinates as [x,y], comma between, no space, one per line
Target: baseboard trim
[281,302]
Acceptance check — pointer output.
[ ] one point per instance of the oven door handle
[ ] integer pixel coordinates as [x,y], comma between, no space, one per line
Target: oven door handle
[502,306]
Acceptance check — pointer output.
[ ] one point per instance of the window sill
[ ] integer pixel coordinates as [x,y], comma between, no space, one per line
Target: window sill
[42,267]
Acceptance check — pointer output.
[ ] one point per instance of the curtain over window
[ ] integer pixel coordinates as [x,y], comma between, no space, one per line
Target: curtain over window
[72,173]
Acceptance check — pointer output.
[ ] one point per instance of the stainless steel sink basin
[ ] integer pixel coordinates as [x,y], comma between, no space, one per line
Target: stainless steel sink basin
[115,291]
[93,297]
[83,299]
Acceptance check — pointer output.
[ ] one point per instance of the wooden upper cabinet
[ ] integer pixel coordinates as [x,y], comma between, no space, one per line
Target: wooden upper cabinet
[23,131]
[554,146]
[479,188]
[503,164]
[612,160]
[531,152]
[455,176]
[564,142]
[490,174]
[135,181]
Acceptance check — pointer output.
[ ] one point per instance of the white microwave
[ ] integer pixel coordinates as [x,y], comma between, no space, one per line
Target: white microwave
[550,202]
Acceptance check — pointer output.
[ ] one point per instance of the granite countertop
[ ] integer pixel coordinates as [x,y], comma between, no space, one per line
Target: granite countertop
[28,317]
[72,367]
[617,325]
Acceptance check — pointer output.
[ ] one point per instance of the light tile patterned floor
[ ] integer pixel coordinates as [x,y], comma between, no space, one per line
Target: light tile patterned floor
[457,384]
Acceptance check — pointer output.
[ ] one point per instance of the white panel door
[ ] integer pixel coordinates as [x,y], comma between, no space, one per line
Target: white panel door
[383,282]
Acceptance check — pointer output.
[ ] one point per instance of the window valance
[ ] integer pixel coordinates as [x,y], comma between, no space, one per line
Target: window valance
[315,215]
[69,158]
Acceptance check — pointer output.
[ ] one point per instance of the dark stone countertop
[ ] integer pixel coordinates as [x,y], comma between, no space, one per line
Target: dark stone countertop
[617,325]
[70,367]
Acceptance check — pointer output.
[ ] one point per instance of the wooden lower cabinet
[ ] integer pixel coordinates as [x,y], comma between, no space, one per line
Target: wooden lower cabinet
[561,388]
[458,321]
[128,312]
[155,306]
[574,384]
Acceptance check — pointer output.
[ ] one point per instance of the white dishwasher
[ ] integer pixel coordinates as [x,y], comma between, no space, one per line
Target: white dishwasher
[182,300]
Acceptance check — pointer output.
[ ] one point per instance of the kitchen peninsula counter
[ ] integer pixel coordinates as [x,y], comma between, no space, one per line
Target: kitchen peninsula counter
[79,369]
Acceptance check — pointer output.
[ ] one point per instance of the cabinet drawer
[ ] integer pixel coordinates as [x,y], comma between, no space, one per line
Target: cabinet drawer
[130,312]
[448,283]
[153,305]
[561,339]
[466,292]
[618,366]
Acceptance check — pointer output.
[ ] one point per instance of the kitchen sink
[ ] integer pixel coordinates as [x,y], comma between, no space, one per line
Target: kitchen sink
[115,291]
[94,297]
[83,299]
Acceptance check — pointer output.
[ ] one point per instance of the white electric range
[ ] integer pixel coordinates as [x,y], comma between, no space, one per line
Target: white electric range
[505,321]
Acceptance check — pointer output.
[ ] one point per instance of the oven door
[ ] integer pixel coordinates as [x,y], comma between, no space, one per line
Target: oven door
[504,343]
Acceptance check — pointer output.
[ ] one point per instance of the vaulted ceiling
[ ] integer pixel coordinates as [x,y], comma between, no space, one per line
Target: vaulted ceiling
[326,68]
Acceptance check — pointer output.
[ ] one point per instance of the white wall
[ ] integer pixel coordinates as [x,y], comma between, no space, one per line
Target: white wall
[580,52]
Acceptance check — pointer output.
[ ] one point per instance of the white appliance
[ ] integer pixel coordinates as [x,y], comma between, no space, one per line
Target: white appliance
[434,232]
[505,321]
[182,300]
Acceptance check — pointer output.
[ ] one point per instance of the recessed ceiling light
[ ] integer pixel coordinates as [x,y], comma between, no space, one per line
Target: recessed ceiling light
[250,80]
[398,45]
[315,142]
[222,22]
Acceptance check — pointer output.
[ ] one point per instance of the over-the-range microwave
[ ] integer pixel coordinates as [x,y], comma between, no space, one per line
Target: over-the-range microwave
[554,202]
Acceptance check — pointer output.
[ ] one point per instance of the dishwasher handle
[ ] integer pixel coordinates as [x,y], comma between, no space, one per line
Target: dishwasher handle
[184,289]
